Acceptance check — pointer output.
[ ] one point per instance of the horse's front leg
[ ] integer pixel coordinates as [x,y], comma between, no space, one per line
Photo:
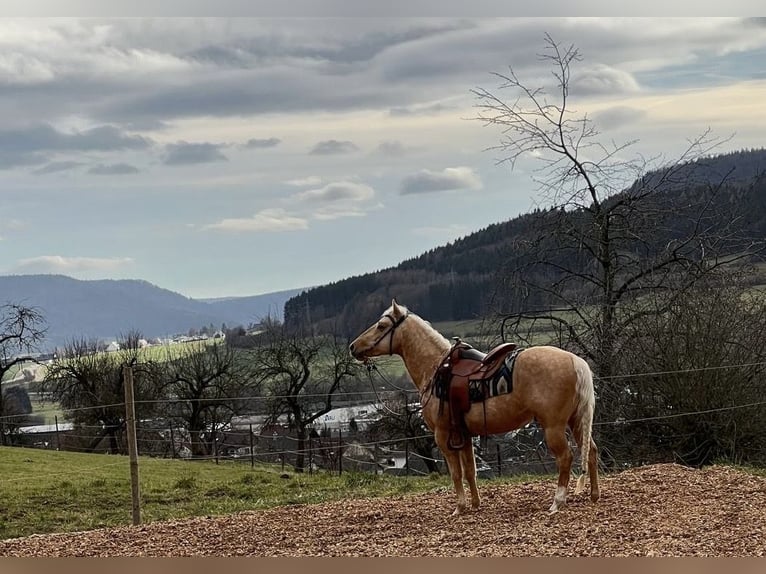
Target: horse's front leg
[452,457]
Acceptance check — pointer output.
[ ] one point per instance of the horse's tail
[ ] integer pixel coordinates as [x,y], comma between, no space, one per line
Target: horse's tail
[586,405]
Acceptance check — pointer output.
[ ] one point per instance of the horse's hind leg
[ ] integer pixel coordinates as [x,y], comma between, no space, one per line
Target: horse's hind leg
[468,462]
[452,457]
[593,471]
[592,462]
[556,439]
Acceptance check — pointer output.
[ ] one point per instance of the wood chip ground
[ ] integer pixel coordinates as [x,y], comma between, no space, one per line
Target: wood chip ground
[658,510]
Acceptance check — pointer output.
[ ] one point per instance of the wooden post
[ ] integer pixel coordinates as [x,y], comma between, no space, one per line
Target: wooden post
[58,437]
[407,457]
[172,442]
[499,461]
[215,437]
[252,454]
[311,462]
[340,451]
[130,420]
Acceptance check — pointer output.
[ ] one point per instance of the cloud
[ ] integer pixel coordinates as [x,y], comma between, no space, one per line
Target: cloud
[451,178]
[183,153]
[617,116]
[419,110]
[44,137]
[338,199]
[337,212]
[392,148]
[338,191]
[331,147]
[305,181]
[68,265]
[603,80]
[57,166]
[28,145]
[255,143]
[113,169]
[267,220]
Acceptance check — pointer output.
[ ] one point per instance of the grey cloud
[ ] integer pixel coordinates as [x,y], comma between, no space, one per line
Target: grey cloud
[219,67]
[418,110]
[618,116]
[11,158]
[449,179]
[113,169]
[31,145]
[57,166]
[184,153]
[44,137]
[330,41]
[392,148]
[331,147]
[339,191]
[254,143]
[603,80]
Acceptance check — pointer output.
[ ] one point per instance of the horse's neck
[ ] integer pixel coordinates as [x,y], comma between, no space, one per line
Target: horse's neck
[422,348]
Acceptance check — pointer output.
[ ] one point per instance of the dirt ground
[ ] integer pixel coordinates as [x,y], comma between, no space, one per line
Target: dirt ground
[659,510]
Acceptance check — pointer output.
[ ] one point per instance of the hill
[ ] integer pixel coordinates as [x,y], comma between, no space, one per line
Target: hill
[457,281]
[104,309]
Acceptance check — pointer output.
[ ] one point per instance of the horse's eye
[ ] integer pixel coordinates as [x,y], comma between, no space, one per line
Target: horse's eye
[381,326]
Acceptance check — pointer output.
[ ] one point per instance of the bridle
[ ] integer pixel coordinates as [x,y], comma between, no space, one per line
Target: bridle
[390,333]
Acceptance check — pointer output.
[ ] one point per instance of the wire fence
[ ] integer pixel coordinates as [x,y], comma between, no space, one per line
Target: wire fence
[333,450]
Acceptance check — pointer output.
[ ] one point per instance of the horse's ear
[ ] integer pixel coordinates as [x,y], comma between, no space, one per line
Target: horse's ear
[395,309]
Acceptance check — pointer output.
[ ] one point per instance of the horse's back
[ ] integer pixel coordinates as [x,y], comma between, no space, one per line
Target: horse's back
[544,387]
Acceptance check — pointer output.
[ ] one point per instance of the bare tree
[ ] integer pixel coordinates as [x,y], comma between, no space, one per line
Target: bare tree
[205,383]
[612,235]
[88,384]
[22,329]
[608,235]
[303,373]
[402,419]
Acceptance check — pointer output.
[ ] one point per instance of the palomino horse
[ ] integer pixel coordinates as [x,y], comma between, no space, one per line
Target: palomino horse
[551,385]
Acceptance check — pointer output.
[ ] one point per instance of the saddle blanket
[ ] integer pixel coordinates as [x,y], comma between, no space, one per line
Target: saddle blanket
[500,383]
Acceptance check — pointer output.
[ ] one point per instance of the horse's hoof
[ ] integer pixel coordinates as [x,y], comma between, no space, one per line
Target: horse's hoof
[458,511]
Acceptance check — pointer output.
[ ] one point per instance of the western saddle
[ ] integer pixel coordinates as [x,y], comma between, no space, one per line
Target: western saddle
[467,376]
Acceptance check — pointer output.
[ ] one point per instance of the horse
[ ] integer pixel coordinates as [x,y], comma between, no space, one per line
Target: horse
[550,385]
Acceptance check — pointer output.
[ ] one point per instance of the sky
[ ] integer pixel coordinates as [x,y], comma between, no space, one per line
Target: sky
[239,156]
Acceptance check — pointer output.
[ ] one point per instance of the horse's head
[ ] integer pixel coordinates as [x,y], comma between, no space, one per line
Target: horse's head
[378,339]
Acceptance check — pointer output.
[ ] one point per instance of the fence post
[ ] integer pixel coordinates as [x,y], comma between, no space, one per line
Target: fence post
[252,454]
[499,461]
[340,451]
[311,458]
[215,437]
[407,457]
[58,437]
[172,442]
[130,420]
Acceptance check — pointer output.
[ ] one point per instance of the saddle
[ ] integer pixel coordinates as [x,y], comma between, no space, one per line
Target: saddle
[466,376]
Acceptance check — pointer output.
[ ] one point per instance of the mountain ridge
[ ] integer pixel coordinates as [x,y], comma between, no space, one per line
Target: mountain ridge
[106,308]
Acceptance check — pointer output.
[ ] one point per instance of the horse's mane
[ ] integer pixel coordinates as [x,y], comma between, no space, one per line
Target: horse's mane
[429,332]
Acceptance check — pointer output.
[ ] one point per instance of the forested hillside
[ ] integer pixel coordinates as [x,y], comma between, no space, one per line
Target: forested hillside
[462,280]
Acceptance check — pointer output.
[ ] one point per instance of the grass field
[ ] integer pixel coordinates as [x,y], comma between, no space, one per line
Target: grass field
[45,491]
